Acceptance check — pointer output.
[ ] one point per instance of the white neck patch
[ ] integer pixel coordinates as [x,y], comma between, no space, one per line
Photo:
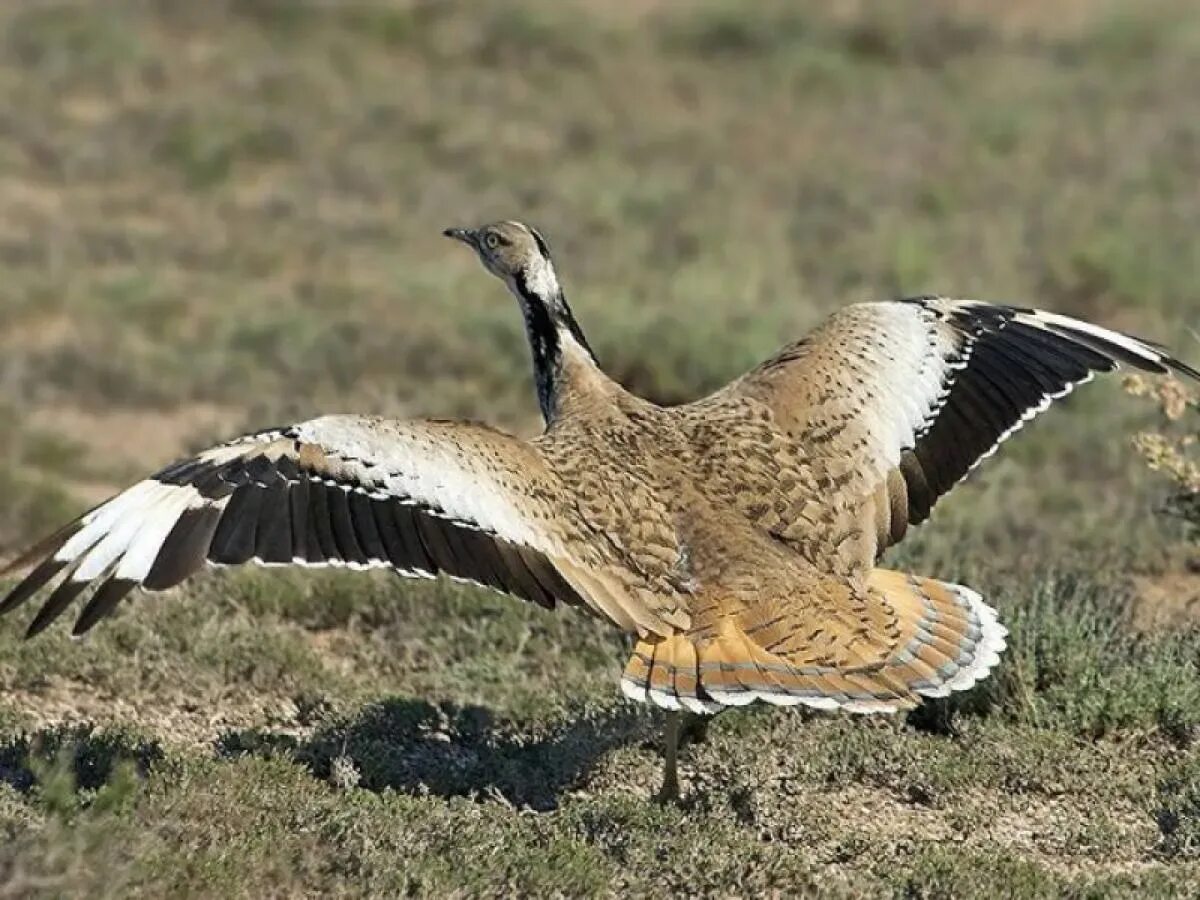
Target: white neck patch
[541,279]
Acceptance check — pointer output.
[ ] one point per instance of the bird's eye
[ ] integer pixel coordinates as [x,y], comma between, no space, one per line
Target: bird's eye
[491,240]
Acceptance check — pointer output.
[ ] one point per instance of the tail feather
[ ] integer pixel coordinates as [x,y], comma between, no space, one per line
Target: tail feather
[967,637]
[635,681]
[687,678]
[947,639]
[728,674]
[662,679]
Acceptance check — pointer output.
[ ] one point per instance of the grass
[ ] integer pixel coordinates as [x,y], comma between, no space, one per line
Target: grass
[224,215]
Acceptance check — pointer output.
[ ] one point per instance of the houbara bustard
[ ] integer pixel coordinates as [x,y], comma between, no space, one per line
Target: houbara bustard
[735,536]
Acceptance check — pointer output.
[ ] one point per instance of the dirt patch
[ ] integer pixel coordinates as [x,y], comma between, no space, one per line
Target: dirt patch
[137,437]
[1166,601]
[176,720]
[1066,835]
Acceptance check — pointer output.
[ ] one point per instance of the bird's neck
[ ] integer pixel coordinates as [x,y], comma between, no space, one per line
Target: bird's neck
[556,341]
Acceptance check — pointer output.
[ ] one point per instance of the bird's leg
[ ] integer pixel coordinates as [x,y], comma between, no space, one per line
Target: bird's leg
[670,786]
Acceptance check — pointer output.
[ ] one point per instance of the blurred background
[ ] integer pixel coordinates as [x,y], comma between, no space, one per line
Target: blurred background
[223,215]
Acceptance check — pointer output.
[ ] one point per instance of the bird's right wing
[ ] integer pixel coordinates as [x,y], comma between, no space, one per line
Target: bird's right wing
[891,404]
[420,498]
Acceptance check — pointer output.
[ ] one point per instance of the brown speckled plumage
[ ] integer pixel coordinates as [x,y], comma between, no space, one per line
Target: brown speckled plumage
[736,536]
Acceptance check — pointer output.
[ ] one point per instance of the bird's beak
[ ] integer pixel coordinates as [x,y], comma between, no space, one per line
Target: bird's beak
[466,235]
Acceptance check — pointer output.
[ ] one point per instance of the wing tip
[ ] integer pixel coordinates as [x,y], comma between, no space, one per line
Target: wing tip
[102,603]
[1119,346]
[55,605]
[31,584]
[1178,366]
[43,549]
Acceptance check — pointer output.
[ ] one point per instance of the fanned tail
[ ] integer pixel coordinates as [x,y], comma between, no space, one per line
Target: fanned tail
[948,639]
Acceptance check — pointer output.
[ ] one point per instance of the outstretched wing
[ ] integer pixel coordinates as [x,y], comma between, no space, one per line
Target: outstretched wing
[893,403]
[417,497]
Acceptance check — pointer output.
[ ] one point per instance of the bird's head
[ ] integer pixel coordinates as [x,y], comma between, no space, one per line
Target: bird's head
[516,254]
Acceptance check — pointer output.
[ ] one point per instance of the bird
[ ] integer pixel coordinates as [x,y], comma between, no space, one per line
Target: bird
[735,538]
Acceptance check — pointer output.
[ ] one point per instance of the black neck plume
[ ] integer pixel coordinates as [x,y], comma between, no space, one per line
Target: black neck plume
[547,319]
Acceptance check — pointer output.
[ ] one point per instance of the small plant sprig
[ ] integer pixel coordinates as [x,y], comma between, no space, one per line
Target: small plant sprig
[1173,447]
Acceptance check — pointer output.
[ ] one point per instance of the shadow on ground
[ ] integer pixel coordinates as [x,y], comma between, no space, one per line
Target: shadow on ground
[450,750]
[86,753]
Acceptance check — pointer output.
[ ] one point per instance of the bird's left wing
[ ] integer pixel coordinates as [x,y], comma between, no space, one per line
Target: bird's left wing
[417,497]
[891,404]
